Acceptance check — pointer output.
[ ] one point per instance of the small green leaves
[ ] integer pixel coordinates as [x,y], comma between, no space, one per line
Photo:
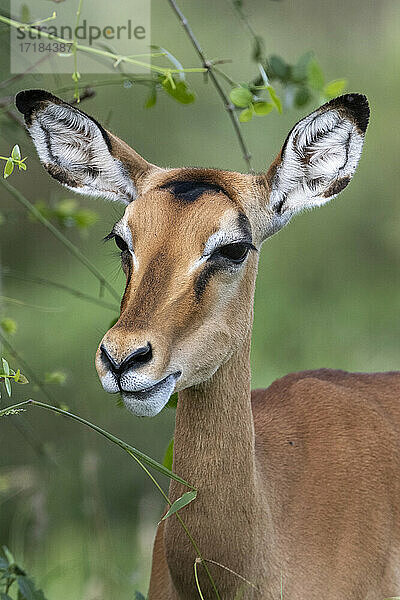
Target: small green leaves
[11,573]
[178,89]
[334,88]
[184,500]
[27,589]
[8,168]
[246,114]
[9,326]
[55,377]
[275,99]
[262,108]
[13,160]
[278,68]
[302,97]
[241,96]
[68,213]
[6,367]
[151,98]
[16,153]
[173,401]
[300,69]
[315,75]
[169,454]
[7,374]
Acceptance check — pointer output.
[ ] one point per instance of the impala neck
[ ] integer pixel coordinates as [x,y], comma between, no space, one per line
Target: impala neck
[214,433]
[214,451]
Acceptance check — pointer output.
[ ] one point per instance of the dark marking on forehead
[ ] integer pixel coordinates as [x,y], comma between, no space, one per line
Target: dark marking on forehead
[189,191]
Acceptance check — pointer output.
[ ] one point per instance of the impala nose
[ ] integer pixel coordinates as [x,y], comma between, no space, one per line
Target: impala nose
[136,359]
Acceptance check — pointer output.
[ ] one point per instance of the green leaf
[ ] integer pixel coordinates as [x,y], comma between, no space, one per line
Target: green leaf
[8,168]
[334,88]
[315,75]
[246,115]
[139,596]
[8,325]
[262,108]
[169,454]
[8,386]
[300,69]
[85,218]
[56,377]
[173,401]
[179,90]
[184,500]
[28,590]
[22,166]
[275,99]
[5,597]
[6,366]
[278,68]
[151,98]
[22,379]
[241,96]
[9,556]
[302,96]
[16,153]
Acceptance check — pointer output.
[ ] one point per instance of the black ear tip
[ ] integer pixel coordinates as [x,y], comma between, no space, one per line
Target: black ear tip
[27,99]
[357,107]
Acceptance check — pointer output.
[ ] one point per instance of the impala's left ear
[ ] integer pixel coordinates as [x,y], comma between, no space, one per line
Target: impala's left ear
[77,151]
[317,160]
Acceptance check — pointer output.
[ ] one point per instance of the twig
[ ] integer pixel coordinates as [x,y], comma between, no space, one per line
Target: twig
[210,70]
[65,288]
[22,424]
[90,50]
[67,243]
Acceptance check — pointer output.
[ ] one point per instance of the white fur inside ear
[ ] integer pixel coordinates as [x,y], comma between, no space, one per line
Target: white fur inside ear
[319,158]
[71,144]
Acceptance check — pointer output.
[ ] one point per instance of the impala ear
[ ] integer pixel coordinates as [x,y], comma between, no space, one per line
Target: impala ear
[318,158]
[77,151]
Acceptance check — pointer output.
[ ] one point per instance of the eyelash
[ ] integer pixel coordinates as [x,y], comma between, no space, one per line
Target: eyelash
[227,252]
[120,242]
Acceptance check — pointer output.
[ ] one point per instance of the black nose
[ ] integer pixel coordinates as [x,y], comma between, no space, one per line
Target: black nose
[138,357]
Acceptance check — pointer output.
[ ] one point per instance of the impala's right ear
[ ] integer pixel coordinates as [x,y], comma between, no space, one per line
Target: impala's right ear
[77,151]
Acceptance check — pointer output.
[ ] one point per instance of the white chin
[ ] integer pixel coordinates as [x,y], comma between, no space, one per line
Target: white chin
[149,403]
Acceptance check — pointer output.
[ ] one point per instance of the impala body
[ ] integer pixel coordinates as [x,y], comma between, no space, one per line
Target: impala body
[298,485]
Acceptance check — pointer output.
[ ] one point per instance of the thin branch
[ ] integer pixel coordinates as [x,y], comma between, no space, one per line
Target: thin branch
[65,241]
[210,70]
[65,288]
[90,50]
[22,424]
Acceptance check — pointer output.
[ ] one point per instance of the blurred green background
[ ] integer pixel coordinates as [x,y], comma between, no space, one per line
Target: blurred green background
[328,292]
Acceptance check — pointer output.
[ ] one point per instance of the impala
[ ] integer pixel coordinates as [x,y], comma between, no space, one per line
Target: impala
[298,485]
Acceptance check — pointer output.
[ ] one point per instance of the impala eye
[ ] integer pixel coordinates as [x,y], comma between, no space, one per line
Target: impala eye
[235,253]
[121,243]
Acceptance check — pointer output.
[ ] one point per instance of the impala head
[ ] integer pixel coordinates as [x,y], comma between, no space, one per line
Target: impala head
[189,237]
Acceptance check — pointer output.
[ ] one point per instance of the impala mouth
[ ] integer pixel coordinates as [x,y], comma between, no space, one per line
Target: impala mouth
[150,401]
